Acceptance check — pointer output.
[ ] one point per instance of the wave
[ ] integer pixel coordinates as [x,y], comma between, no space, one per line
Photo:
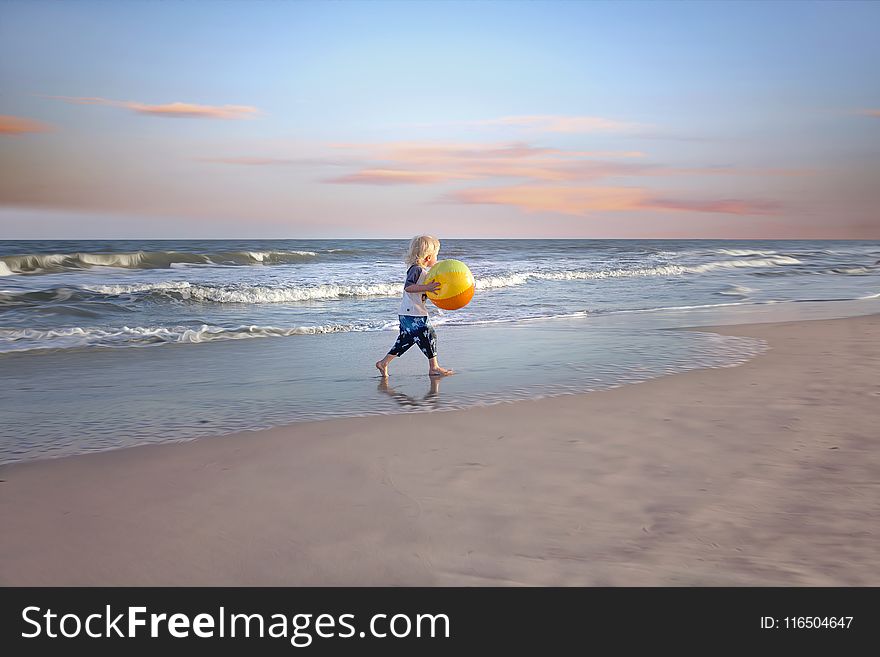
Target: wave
[140,336]
[744,252]
[256,294]
[663,270]
[28,339]
[858,270]
[242,293]
[514,279]
[18,340]
[736,291]
[266,294]
[697,307]
[37,297]
[778,261]
[185,291]
[509,280]
[48,263]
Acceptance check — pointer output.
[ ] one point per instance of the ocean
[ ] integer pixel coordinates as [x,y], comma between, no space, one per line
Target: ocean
[107,344]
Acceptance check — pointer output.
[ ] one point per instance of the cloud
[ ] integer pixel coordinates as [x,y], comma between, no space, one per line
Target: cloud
[582,201]
[550,179]
[553,123]
[170,110]
[15,126]
[397,176]
[550,123]
[563,200]
[514,160]
[410,163]
[726,170]
[722,206]
[281,161]
[429,163]
[250,161]
[434,151]
[871,112]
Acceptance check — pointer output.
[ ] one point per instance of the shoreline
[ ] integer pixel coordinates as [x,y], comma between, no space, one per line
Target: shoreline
[760,474]
[116,398]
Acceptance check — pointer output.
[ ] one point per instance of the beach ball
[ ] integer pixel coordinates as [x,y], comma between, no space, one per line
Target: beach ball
[456,284]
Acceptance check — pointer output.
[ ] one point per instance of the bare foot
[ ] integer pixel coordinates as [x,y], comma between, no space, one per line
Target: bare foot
[440,371]
[383,368]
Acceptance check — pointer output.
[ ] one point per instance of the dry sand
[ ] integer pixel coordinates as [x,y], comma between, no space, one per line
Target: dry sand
[764,474]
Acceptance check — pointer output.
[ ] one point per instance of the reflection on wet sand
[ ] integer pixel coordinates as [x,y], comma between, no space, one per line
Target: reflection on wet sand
[429,400]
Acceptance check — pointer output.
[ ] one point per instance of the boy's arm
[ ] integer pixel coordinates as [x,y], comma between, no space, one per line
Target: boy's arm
[411,285]
[428,287]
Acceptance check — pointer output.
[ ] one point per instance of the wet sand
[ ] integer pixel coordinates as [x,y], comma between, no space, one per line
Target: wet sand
[762,474]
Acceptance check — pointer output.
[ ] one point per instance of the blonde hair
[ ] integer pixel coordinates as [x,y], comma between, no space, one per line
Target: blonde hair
[420,247]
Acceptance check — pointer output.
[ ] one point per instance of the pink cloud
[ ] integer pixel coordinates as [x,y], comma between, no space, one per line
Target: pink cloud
[15,126]
[870,112]
[434,151]
[581,201]
[536,168]
[396,177]
[723,206]
[515,160]
[427,163]
[562,200]
[171,110]
[439,161]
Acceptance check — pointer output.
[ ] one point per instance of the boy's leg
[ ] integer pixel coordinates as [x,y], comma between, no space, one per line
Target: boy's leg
[427,341]
[382,365]
[434,368]
[404,341]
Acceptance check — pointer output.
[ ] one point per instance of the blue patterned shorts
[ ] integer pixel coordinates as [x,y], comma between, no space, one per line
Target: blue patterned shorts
[415,330]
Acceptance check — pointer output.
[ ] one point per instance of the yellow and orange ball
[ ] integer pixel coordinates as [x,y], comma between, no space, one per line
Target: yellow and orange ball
[456,284]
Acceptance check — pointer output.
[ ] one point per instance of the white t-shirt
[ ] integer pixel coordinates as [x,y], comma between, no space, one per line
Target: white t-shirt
[413,304]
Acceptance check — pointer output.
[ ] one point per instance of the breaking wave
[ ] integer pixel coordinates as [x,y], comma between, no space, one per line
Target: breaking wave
[45,263]
[185,291]
[142,336]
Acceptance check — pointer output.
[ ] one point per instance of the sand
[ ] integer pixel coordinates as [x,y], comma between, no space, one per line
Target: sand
[763,474]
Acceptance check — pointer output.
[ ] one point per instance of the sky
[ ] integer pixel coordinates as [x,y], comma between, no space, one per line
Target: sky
[272,119]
